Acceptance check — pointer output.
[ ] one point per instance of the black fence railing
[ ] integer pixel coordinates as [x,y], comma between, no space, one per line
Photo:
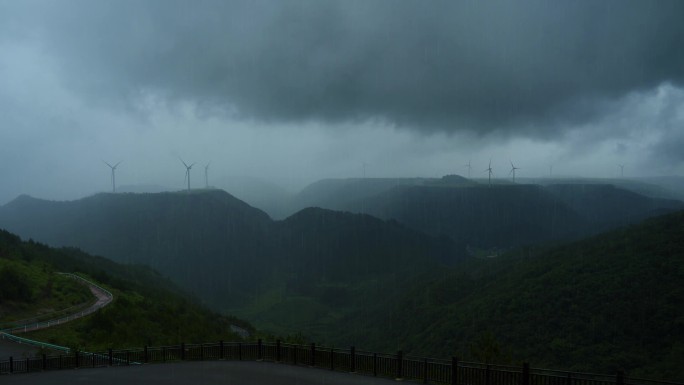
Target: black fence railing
[400,366]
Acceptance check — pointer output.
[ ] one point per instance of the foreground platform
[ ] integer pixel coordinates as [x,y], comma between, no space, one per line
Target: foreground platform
[207,372]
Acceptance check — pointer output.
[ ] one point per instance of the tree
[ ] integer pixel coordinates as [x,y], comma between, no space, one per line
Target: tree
[14,285]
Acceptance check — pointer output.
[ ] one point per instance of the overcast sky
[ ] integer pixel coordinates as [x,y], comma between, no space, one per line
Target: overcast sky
[294,91]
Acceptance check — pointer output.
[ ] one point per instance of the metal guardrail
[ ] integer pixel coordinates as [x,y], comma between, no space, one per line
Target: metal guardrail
[62,349]
[425,370]
[53,322]
[26,341]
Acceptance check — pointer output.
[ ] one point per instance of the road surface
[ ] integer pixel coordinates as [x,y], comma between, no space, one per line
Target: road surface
[9,348]
[206,373]
[13,349]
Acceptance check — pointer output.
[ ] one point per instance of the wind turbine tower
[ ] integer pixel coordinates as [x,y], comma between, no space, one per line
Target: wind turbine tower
[113,174]
[513,168]
[489,170]
[187,171]
[206,175]
[622,170]
[469,167]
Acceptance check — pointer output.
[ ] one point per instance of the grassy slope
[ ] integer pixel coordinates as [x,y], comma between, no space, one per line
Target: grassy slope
[47,294]
[147,309]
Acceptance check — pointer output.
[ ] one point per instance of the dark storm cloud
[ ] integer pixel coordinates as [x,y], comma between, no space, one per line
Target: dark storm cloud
[483,66]
[669,122]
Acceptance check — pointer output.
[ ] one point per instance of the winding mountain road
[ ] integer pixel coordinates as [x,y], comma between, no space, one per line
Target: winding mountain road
[11,346]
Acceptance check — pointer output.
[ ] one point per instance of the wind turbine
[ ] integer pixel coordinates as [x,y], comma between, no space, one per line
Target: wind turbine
[550,170]
[364,169]
[490,173]
[469,167]
[206,175]
[187,171]
[513,168]
[622,170]
[113,176]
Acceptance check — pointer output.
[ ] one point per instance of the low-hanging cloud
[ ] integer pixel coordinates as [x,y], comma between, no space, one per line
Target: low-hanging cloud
[496,66]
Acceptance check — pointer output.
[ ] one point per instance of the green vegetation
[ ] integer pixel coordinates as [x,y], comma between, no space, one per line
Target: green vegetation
[615,301]
[610,302]
[30,291]
[232,255]
[14,285]
[147,310]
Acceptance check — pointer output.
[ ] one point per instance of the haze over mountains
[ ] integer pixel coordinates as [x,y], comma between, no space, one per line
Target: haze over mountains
[500,216]
[221,248]
[399,244]
[212,242]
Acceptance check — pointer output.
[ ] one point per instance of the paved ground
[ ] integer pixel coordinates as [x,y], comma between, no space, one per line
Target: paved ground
[209,373]
[9,348]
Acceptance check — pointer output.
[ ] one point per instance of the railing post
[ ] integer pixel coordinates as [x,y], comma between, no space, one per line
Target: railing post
[259,350]
[93,358]
[240,351]
[454,370]
[277,350]
[182,351]
[332,358]
[221,350]
[294,354]
[27,365]
[128,357]
[526,374]
[313,354]
[76,355]
[201,352]
[620,378]
[400,363]
[425,371]
[145,360]
[164,354]
[375,364]
[352,360]
[487,374]
[11,364]
[44,362]
[60,361]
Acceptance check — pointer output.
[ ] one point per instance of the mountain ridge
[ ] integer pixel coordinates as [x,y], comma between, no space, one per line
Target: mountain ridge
[217,246]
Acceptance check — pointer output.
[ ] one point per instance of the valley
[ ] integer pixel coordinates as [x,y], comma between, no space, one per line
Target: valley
[405,272]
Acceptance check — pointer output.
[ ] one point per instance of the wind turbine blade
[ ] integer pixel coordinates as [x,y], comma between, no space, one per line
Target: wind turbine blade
[184,164]
[116,165]
[108,164]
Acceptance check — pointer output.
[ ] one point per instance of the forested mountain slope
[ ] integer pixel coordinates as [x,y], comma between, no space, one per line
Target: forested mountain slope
[147,308]
[223,250]
[614,301]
